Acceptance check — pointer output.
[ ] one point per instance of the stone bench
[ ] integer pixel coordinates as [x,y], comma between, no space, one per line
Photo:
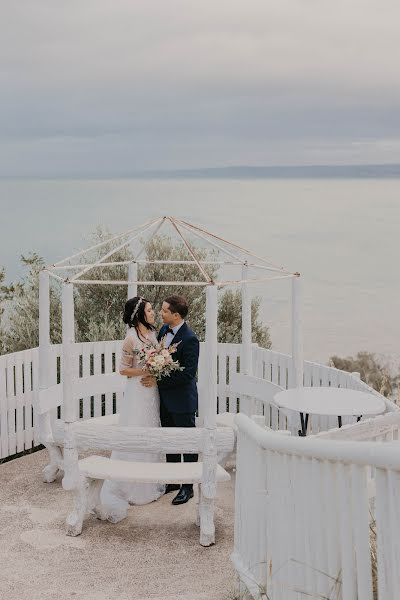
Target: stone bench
[94,470]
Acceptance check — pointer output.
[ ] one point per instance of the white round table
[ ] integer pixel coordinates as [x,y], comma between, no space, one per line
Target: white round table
[329,401]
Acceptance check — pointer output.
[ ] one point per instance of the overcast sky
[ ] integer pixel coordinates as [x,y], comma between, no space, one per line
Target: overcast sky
[111,86]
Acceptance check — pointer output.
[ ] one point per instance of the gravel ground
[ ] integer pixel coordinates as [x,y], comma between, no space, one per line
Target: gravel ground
[153,554]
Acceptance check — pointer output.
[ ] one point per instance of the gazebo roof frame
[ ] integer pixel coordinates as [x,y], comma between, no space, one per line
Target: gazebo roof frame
[181,227]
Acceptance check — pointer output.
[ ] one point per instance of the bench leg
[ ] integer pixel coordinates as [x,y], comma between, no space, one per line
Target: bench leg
[50,472]
[75,518]
[207,527]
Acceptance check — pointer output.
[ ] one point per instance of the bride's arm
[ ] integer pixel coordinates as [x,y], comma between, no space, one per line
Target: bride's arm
[130,372]
[128,364]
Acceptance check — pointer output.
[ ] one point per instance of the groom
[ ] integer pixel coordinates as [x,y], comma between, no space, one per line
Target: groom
[178,392]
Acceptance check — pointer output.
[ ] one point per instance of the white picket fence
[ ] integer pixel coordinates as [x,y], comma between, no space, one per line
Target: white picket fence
[304,519]
[19,383]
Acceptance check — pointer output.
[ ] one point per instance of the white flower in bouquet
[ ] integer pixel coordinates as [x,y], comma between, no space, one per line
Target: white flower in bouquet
[157,360]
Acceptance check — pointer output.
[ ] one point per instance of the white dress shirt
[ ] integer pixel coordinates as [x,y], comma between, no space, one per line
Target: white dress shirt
[169,337]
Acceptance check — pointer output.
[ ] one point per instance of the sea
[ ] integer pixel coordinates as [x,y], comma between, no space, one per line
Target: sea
[342,235]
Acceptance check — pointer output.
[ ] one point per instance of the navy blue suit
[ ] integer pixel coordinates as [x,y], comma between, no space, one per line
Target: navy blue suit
[178,393]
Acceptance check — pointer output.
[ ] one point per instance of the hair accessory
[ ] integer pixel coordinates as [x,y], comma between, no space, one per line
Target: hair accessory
[136,308]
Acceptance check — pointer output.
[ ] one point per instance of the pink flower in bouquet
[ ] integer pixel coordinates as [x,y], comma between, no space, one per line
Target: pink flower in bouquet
[157,360]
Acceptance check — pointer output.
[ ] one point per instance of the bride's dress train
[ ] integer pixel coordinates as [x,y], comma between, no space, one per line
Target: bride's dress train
[140,408]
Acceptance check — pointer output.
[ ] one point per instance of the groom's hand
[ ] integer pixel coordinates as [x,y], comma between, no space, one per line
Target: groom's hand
[148,381]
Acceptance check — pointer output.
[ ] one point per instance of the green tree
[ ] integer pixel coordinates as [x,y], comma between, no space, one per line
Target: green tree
[20,320]
[163,248]
[371,371]
[99,308]
[230,319]
[229,303]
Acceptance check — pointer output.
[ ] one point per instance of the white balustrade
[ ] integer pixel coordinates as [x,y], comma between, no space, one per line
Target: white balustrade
[19,387]
[303,519]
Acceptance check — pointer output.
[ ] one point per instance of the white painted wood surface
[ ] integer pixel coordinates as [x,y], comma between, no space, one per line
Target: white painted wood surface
[104,433]
[267,364]
[297,333]
[247,367]
[101,467]
[330,401]
[310,533]
[132,277]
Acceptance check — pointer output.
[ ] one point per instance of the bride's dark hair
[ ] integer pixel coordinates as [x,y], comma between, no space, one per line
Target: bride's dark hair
[134,313]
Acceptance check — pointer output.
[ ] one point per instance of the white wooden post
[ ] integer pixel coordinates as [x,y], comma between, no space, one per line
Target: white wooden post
[132,276]
[297,334]
[72,479]
[208,485]
[247,359]
[211,349]
[44,345]
[51,470]
[69,407]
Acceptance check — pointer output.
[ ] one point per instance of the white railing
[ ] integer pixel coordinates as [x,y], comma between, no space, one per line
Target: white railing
[18,380]
[19,384]
[304,526]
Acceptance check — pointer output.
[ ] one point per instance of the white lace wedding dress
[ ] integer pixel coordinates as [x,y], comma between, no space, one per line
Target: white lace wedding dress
[140,408]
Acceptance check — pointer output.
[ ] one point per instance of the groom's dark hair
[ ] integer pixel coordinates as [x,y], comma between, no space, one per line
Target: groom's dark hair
[178,304]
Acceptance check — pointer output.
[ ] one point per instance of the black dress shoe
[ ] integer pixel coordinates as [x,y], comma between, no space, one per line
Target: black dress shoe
[183,496]
[172,487]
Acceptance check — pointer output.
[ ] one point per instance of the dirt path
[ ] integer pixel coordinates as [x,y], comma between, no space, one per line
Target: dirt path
[154,554]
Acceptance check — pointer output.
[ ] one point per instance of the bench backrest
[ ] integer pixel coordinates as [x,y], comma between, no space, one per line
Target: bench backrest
[255,387]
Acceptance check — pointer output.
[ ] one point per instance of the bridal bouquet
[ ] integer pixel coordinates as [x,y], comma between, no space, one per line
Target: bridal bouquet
[157,360]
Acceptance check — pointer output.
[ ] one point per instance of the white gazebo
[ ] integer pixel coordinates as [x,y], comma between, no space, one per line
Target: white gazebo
[86,476]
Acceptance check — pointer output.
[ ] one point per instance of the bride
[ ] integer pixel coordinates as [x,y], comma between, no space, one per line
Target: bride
[140,408]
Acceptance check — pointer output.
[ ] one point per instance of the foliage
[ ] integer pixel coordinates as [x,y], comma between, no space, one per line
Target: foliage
[371,371]
[20,321]
[230,316]
[99,308]
[163,248]
[230,303]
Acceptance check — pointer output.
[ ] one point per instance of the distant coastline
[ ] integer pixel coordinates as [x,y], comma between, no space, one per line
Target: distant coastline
[284,172]
[370,171]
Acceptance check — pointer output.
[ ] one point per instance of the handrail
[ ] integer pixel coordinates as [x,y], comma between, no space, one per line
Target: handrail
[383,455]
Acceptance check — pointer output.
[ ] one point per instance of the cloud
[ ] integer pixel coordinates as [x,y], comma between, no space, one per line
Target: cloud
[220,80]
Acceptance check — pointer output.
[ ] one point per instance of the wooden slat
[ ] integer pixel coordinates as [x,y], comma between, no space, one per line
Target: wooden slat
[108,350]
[28,397]
[3,410]
[361,533]
[35,385]
[55,358]
[348,566]
[85,353]
[19,403]
[119,395]
[222,383]
[233,353]
[12,439]
[275,379]
[283,382]
[97,363]
[393,518]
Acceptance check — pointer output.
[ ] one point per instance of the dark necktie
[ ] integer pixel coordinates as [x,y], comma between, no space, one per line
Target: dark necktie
[169,330]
